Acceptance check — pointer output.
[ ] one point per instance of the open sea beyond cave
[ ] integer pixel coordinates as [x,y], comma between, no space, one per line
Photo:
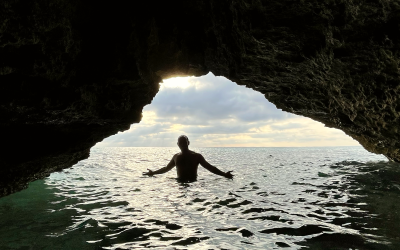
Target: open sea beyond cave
[292,198]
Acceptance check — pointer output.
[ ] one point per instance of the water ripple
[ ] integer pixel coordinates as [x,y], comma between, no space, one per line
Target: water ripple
[280,198]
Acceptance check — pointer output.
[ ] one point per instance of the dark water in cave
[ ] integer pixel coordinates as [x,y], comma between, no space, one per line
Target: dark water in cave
[292,198]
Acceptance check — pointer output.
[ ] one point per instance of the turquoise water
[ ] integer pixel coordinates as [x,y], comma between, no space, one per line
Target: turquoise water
[292,198]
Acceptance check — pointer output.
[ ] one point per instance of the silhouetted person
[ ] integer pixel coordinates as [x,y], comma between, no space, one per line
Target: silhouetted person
[187,162]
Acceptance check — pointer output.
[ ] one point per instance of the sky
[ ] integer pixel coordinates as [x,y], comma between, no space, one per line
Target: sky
[215,112]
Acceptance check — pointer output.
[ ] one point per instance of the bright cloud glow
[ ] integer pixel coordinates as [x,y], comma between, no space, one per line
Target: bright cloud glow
[215,112]
[178,82]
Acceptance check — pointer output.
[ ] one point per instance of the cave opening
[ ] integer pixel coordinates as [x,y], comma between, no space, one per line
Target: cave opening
[216,112]
[107,202]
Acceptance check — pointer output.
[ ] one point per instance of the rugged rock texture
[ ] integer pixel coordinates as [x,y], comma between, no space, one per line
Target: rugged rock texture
[74,72]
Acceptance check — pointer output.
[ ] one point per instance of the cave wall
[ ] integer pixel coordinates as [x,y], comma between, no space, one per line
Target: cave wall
[75,72]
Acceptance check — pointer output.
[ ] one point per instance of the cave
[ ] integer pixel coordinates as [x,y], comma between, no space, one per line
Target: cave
[75,72]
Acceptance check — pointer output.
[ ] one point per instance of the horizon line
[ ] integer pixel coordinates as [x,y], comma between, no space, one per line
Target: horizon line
[230,146]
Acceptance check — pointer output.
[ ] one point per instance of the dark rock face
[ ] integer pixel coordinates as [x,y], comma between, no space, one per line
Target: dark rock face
[75,72]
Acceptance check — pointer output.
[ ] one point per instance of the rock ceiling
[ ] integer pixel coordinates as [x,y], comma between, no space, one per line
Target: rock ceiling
[75,72]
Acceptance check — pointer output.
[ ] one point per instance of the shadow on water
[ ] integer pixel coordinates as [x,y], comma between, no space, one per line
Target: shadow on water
[373,210]
[356,206]
[26,221]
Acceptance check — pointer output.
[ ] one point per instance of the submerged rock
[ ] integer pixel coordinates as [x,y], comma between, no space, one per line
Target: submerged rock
[75,72]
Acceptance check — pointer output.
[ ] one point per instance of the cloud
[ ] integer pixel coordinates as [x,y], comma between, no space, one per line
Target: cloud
[214,111]
[214,98]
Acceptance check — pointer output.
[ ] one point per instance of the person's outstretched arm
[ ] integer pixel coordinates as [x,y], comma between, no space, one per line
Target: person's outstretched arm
[213,169]
[170,166]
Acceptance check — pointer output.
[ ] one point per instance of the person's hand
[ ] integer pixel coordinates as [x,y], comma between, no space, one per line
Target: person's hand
[150,173]
[229,175]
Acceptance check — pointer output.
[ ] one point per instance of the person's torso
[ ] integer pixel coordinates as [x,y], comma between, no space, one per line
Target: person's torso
[187,165]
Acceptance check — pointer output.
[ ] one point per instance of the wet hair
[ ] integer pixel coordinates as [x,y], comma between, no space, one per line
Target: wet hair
[184,136]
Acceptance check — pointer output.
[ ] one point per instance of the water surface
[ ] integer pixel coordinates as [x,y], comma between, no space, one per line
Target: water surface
[293,198]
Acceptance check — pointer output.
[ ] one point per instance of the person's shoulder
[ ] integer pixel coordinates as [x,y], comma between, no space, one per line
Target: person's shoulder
[197,154]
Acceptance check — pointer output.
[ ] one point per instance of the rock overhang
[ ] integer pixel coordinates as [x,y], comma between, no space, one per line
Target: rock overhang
[75,72]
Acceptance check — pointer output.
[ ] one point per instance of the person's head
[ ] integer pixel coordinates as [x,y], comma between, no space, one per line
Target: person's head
[183,142]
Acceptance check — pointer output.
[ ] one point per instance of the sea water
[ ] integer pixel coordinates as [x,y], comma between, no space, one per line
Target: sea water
[291,198]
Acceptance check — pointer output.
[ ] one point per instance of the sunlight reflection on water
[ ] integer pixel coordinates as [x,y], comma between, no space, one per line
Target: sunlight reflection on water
[280,197]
